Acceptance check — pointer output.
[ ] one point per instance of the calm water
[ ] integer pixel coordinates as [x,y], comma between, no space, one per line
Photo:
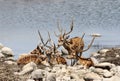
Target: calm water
[20,20]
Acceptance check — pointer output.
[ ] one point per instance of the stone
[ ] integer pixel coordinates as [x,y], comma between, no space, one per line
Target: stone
[1,55]
[10,62]
[94,54]
[7,51]
[105,65]
[31,64]
[1,46]
[27,68]
[38,73]
[98,71]
[91,76]
[30,80]
[10,58]
[107,74]
[51,77]
[103,51]
[113,78]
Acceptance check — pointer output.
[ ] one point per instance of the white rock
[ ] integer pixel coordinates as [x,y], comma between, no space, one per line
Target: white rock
[27,68]
[114,78]
[31,64]
[10,58]
[103,51]
[107,74]
[92,76]
[1,55]
[105,65]
[1,46]
[30,80]
[7,51]
[39,73]
[75,76]
[98,71]
[94,54]
[11,62]
[97,80]
[117,55]
[51,77]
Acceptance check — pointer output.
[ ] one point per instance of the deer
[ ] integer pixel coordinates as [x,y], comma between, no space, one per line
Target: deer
[31,58]
[86,62]
[74,45]
[52,53]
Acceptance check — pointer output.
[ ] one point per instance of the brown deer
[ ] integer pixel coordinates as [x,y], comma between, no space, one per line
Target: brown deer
[86,62]
[39,50]
[74,45]
[52,53]
[30,58]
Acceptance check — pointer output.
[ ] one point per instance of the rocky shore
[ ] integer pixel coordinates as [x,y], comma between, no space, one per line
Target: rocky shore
[106,68]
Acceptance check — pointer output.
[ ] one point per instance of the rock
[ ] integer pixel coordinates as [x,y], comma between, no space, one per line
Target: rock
[7,51]
[104,65]
[31,64]
[98,71]
[94,54]
[75,76]
[114,78]
[51,77]
[37,74]
[10,58]
[103,51]
[1,46]
[30,80]
[1,55]
[91,76]
[28,68]
[11,62]
[107,74]
[116,70]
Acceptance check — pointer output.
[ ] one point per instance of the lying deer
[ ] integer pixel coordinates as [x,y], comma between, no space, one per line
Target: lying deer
[74,45]
[52,53]
[30,58]
[86,62]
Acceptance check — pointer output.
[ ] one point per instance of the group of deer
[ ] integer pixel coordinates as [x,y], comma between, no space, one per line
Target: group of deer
[45,53]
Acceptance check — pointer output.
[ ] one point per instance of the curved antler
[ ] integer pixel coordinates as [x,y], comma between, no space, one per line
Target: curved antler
[71,29]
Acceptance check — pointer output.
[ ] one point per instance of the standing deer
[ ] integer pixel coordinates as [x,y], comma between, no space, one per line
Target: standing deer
[74,45]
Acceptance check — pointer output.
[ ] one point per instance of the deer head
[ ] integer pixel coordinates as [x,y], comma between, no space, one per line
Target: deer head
[63,36]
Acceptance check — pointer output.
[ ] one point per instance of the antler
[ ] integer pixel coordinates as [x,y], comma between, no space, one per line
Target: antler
[44,44]
[60,29]
[71,29]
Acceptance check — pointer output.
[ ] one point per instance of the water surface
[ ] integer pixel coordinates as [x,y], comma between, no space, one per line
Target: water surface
[20,20]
